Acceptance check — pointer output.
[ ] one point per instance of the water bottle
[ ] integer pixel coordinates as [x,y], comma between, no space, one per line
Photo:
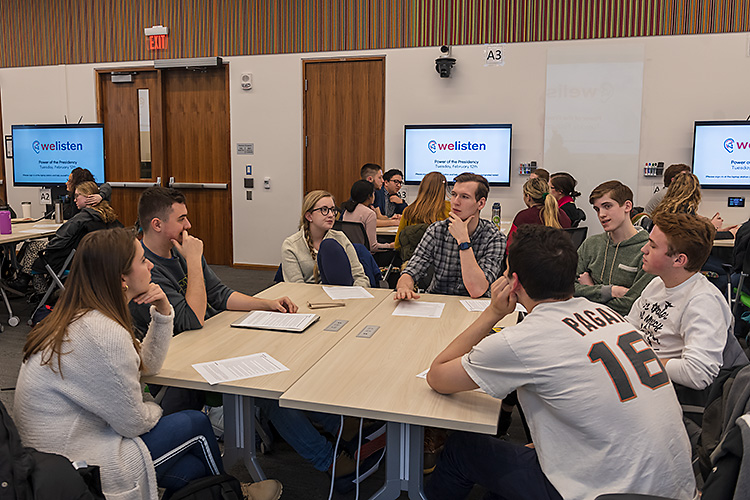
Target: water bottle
[58,211]
[496,214]
[5,226]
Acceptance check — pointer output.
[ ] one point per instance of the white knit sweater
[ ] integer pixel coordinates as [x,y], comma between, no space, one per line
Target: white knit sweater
[95,411]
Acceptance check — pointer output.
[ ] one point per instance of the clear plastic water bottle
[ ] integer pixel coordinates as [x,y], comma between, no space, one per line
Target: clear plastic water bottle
[496,214]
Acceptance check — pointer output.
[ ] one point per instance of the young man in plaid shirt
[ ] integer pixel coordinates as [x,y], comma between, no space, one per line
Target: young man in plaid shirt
[465,251]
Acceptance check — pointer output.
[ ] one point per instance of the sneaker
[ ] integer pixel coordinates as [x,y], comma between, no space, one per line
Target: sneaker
[345,465]
[270,489]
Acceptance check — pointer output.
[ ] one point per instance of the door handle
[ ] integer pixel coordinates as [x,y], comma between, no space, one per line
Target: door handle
[132,184]
[199,185]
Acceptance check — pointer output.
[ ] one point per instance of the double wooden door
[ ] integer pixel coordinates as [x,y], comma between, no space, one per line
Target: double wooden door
[171,127]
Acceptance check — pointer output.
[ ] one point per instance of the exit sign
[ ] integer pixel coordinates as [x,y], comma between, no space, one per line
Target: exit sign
[157,37]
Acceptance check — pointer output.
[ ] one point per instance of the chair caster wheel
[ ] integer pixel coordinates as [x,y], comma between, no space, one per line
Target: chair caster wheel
[13,321]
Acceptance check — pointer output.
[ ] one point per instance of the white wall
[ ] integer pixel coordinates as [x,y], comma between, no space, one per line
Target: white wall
[685,78]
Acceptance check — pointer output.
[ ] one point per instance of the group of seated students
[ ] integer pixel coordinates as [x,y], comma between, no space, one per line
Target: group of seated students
[626,307]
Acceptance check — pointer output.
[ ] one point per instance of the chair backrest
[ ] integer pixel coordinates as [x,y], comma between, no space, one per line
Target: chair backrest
[408,239]
[577,235]
[355,231]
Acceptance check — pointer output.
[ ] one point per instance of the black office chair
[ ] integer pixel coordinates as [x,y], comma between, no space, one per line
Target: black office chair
[577,234]
[355,231]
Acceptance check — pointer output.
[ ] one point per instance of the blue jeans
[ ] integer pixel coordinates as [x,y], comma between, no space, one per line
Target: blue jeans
[506,470]
[183,448]
[296,428]
[333,264]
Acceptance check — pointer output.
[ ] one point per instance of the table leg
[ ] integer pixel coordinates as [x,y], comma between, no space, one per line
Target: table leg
[239,434]
[403,462]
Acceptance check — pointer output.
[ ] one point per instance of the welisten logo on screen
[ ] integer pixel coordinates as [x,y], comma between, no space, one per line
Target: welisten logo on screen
[435,146]
[56,146]
[730,143]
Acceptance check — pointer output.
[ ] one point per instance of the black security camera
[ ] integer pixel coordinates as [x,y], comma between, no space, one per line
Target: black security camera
[444,64]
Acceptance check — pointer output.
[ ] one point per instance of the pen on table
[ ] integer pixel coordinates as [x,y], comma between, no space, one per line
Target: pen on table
[322,305]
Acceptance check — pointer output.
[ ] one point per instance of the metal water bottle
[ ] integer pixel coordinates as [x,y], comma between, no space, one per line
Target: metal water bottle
[58,211]
[496,214]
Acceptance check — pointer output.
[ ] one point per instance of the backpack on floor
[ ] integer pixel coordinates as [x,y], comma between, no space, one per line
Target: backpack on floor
[221,487]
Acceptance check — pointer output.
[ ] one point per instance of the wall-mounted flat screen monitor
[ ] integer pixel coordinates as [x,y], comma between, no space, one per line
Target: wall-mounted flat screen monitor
[721,154]
[44,155]
[455,149]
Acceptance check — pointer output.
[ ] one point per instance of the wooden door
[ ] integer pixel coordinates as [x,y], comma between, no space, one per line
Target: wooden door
[344,122]
[118,110]
[189,139]
[197,148]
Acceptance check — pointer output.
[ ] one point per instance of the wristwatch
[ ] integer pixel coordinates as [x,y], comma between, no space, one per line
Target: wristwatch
[465,245]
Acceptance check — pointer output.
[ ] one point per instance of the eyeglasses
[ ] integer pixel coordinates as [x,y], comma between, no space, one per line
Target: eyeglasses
[397,181]
[326,210]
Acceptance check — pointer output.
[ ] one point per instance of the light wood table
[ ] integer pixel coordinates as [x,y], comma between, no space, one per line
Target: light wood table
[377,378]
[386,231]
[724,243]
[297,351]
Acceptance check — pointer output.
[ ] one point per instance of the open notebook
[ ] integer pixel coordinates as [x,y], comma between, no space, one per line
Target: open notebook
[285,322]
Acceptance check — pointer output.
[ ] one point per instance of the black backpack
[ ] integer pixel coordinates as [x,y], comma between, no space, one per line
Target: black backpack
[27,474]
[221,487]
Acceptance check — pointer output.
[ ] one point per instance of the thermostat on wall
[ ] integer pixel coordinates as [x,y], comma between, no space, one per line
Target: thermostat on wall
[736,201]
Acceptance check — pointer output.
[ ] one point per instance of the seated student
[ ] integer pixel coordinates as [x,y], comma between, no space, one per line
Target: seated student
[542,208]
[196,294]
[79,392]
[77,176]
[302,252]
[684,318]
[684,196]
[89,218]
[465,251]
[429,207]
[358,208]
[609,264]
[372,172]
[669,174]
[387,199]
[563,188]
[586,380]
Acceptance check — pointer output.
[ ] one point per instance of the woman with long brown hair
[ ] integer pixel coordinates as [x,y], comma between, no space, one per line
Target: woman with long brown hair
[430,205]
[79,394]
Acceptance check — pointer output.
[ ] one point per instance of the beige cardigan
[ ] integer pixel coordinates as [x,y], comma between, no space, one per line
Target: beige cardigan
[298,266]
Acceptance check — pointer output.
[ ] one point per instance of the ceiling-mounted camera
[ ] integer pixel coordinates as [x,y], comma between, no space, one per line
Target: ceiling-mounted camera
[444,64]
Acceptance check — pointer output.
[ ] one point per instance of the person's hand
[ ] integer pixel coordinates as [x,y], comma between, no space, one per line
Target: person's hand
[93,200]
[585,279]
[156,297]
[503,298]
[458,228]
[191,247]
[717,221]
[395,216]
[282,304]
[396,199]
[619,291]
[405,294]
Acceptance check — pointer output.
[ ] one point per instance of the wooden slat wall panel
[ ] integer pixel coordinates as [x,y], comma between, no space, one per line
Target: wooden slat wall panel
[48,32]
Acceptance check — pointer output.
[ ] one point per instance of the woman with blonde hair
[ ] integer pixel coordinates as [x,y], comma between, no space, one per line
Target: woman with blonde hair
[684,196]
[79,392]
[430,205]
[542,208]
[317,247]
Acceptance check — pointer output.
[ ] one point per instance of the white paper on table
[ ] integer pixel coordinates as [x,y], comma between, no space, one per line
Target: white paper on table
[273,320]
[226,370]
[419,309]
[475,305]
[424,376]
[50,225]
[347,292]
